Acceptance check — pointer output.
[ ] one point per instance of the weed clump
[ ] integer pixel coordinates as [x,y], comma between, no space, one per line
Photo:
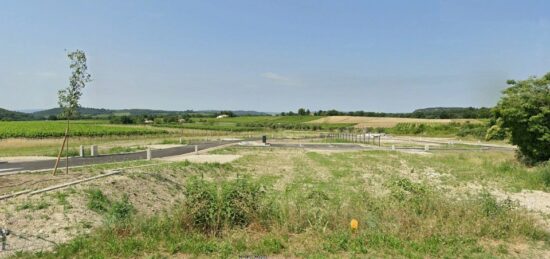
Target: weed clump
[117,211]
[210,207]
[545,175]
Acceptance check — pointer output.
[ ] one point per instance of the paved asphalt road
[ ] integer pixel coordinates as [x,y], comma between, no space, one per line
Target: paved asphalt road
[80,161]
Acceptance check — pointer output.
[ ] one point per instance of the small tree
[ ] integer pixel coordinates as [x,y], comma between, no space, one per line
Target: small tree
[69,97]
[524,111]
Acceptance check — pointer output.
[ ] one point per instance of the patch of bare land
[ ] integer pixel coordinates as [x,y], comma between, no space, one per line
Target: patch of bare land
[164,146]
[25,158]
[385,122]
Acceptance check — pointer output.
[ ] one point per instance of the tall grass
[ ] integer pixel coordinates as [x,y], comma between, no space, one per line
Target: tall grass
[311,218]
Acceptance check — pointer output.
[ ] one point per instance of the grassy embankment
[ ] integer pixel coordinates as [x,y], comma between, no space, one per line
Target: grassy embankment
[296,203]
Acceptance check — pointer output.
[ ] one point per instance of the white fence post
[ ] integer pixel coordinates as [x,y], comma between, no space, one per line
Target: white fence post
[93,150]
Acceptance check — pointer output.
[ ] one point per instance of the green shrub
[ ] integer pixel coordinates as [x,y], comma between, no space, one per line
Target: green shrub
[491,207]
[524,111]
[117,211]
[210,207]
[97,201]
[545,175]
[121,210]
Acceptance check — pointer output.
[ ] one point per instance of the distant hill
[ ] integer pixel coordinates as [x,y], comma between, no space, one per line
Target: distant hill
[83,112]
[99,113]
[29,110]
[7,115]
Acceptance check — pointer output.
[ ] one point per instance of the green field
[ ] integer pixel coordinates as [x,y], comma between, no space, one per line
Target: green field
[45,129]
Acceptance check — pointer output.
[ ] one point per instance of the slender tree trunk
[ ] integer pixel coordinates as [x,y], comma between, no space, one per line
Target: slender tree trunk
[61,151]
[67,151]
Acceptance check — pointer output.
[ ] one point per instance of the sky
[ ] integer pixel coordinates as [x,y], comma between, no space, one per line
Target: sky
[384,56]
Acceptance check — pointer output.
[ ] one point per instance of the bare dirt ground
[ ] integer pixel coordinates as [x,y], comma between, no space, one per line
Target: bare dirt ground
[25,158]
[163,146]
[537,201]
[384,122]
[40,221]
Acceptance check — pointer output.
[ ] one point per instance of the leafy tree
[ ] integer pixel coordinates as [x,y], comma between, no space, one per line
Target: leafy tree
[228,113]
[69,97]
[302,112]
[524,111]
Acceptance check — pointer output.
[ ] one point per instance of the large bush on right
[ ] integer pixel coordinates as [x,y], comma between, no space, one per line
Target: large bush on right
[524,111]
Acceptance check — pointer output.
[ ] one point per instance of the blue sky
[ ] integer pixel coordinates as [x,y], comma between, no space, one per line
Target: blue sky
[392,56]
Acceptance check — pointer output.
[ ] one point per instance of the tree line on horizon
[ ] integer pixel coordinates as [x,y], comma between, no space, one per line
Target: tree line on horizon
[427,113]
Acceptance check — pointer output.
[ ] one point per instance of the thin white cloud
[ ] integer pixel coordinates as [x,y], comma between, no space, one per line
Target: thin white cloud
[283,80]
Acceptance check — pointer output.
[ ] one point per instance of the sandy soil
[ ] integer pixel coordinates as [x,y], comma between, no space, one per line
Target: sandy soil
[538,201]
[164,146]
[383,122]
[25,158]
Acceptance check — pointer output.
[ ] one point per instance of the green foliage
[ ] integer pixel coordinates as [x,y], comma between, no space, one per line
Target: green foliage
[121,210]
[34,206]
[6,115]
[491,207]
[62,199]
[450,129]
[427,113]
[69,98]
[545,175]
[97,201]
[45,129]
[210,207]
[524,110]
[117,211]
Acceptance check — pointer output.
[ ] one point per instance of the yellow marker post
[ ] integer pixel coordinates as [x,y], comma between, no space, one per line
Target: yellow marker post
[354,224]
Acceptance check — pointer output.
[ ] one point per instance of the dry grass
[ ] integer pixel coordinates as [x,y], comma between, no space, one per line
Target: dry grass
[315,195]
[384,122]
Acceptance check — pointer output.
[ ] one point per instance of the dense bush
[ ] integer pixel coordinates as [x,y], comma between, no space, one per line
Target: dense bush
[524,111]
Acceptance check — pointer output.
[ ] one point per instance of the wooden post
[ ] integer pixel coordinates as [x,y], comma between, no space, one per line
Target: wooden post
[60,152]
[67,150]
